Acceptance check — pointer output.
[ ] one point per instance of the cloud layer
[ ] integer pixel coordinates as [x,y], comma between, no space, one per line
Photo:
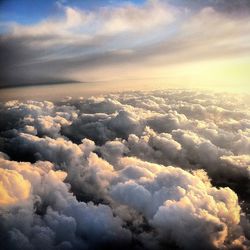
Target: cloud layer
[157,39]
[139,170]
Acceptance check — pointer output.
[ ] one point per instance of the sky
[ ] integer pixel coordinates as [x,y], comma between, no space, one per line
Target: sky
[86,163]
[126,44]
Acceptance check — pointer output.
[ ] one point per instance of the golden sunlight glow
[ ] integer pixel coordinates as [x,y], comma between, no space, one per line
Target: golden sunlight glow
[222,75]
[13,187]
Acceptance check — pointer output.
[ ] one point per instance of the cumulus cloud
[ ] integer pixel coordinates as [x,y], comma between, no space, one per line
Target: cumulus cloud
[13,187]
[51,216]
[140,170]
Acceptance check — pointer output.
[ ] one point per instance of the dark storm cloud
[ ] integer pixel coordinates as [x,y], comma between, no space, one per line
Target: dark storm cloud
[139,170]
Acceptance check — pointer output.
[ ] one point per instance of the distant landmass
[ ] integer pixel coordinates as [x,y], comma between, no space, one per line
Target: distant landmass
[45,83]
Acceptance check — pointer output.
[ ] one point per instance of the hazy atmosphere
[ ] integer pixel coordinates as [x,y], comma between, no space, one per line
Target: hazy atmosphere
[125,125]
[201,44]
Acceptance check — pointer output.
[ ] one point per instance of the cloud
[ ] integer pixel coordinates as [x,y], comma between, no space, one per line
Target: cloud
[169,196]
[226,6]
[52,217]
[14,188]
[139,170]
[107,43]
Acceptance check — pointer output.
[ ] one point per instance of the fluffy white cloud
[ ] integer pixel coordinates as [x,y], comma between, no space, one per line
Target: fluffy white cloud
[13,188]
[141,170]
[51,217]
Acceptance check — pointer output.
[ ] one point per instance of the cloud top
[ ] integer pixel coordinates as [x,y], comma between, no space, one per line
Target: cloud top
[139,170]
